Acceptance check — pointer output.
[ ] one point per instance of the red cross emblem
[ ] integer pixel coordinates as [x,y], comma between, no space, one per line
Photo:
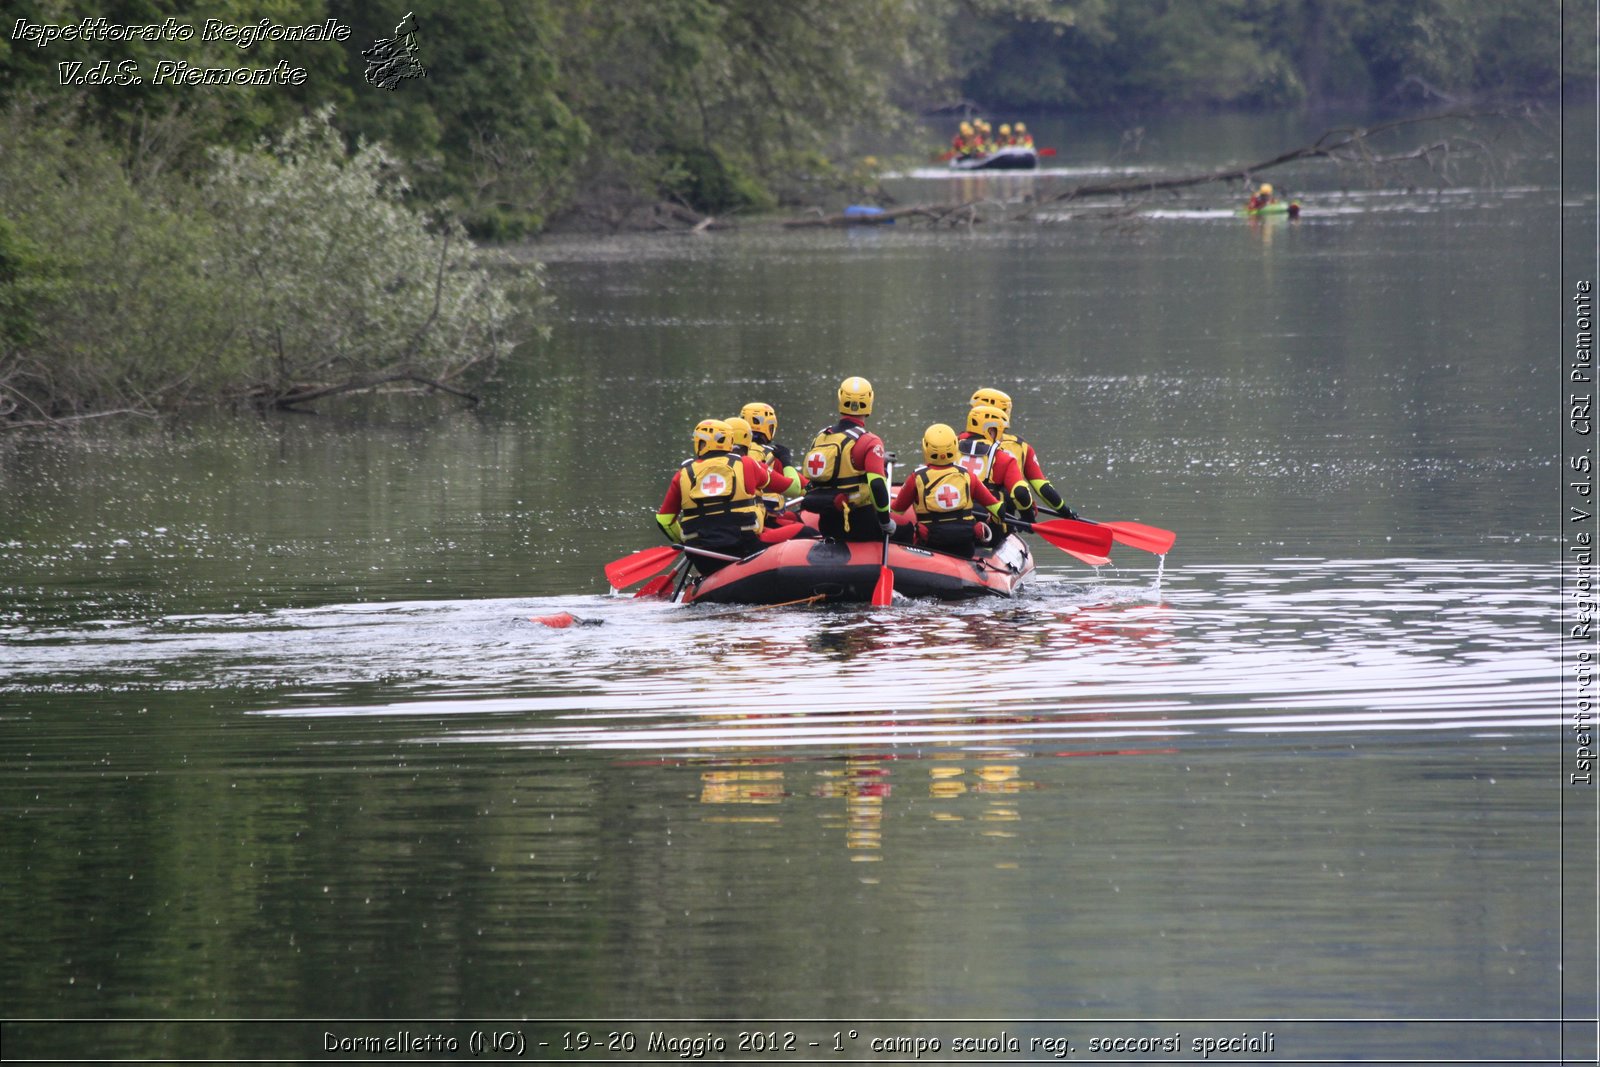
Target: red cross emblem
[714,484]
[947,497]
[815,464]
[973,464]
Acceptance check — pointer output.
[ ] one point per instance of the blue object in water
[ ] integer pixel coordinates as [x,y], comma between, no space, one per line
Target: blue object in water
[865,211]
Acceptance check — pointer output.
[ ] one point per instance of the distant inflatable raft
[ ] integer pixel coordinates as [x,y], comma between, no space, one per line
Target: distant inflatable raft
[1013,157]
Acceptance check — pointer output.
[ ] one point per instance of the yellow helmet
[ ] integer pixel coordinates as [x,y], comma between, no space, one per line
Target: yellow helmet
[1005,127]
[739,433]
[711,435]
[1019,128]
[1265,190]
[994,398]
[762,419]
[939,444]
[982,124]
[855,397]
[987,421]
[966,128]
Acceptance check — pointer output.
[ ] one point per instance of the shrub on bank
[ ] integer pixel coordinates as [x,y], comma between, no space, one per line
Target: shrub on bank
[119,311]
[339,282]
[289,271]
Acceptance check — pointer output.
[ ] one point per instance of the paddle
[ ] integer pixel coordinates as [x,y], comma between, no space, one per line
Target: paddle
[629,569]
[1136,535]
[656,586]
[661,584]
[683,582]
[1070,535]
[883,592]
[1047,151]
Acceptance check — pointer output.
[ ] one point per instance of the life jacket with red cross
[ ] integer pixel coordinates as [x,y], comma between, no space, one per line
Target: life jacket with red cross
[977,455]
[713,495]
[943,494]
[829,467]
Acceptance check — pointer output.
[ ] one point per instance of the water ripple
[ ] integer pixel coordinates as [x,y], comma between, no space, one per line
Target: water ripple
[1364,649]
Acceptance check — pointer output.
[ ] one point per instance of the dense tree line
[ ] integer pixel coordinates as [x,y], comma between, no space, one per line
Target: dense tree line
[144,259]
[533,107]
[1275,53]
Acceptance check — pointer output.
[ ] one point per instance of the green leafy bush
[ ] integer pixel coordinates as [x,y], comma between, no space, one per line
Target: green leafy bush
[339,282]
[121,310]
[290,271]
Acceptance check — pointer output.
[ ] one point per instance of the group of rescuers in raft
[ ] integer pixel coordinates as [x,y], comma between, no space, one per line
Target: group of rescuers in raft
[729,496]
[975,138]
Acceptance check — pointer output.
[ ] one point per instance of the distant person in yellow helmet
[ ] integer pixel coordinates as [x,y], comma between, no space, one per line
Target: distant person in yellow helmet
[848,473]
[945,498]
[1004,140]
[1027,459]
[964,140]
[1021,136]
[1263,196]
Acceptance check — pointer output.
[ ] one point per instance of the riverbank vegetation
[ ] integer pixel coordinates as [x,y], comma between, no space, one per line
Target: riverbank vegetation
[164,243]
[286,273]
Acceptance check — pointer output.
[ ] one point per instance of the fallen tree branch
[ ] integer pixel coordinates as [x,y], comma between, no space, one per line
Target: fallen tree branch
[65,420]
[1337,143]
[308,393]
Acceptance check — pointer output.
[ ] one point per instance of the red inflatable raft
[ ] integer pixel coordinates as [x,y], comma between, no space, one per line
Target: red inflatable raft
[847,571]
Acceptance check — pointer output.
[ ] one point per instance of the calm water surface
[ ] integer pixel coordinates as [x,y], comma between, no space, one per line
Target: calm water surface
[280,740]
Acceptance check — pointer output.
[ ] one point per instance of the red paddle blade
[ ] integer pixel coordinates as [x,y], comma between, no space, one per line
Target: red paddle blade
[883,592]
[1137,535]
[1047,151]
[1075,536]
[558,621]
[646,561]
[1093,561]
[659,586]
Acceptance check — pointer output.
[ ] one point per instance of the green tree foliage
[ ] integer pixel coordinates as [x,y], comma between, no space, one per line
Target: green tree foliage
[716,102]
[160,244]
[1265,53]
[339,283]
[120,310]
[489,129]
[294,270]
[162,124]
[531,106]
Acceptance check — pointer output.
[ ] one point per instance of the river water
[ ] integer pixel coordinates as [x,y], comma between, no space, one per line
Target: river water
[280,741]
